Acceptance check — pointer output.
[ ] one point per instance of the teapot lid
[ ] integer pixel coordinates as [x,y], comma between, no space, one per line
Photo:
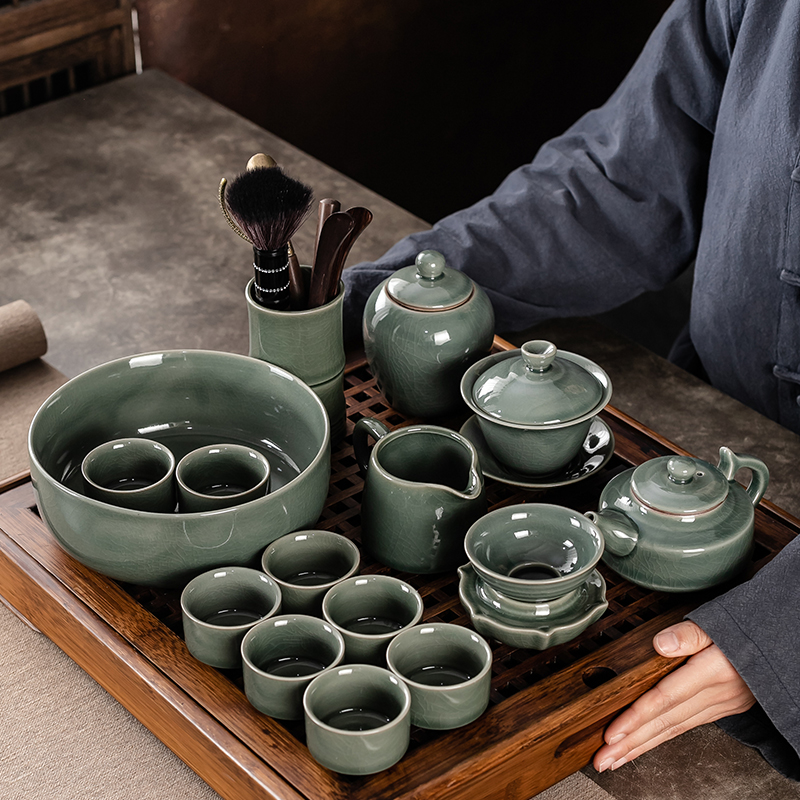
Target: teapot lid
[429,285]
[538,387]
[679,485]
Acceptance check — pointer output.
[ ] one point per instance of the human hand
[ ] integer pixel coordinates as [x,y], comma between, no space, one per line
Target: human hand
[704,689]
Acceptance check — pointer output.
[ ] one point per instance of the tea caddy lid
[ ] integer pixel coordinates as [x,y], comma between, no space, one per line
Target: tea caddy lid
[679,485]
[429,285]
[539,387]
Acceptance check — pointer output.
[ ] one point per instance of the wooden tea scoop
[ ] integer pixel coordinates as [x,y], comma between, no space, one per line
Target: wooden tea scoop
[335,230]
[327,206]
[362,217]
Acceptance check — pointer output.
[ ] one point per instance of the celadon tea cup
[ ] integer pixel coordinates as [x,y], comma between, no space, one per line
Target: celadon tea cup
[305,564]
[221,475]
[423,489]
[448,669]
[281,656]
[357,719]
[369,611]
[220,606]
[132,473]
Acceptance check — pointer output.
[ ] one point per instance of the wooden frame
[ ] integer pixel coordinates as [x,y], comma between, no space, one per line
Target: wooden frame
[548,709]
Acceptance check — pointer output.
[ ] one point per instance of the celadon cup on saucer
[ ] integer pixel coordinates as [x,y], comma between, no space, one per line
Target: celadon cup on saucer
[423,489]
[448,669]
[357,718]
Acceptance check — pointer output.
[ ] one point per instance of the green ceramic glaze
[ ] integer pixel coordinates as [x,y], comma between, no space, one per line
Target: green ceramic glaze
[534,551]
[183,399]
[420,334]
[678,524]
[369,611]
[220,606]
[132,473]
[533,448]
[374,694]
[221,475]
[308,343]
[305,564]
[447,668]
[281,656]
[563,623]
[332,395]
[538,388]
[423,490]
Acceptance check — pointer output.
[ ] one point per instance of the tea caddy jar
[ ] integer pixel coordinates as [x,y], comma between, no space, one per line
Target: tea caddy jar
[423,327]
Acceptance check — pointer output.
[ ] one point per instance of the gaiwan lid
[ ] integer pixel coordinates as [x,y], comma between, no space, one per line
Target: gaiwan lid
[679,485]
[537,388]
[429,285]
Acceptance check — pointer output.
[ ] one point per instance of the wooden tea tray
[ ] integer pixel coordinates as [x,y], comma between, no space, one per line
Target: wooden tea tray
[547,710]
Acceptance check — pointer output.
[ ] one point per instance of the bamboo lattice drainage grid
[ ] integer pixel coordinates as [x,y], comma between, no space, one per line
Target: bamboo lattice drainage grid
[514,670]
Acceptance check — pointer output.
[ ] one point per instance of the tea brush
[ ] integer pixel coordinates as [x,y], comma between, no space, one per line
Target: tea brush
[266,207]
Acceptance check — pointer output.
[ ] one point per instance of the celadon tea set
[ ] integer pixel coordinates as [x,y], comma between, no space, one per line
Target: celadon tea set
[207,472]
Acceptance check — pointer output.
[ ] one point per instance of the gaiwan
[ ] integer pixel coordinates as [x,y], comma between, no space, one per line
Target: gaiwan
[423,327]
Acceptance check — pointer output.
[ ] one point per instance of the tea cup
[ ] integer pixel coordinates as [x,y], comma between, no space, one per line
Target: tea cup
[132,473]
[447,668]
[220,606]
[357,718]
[221,475]
[281,656]
[305,564]
[369,611]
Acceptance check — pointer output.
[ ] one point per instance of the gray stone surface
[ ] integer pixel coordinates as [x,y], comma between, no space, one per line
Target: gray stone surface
[113,234]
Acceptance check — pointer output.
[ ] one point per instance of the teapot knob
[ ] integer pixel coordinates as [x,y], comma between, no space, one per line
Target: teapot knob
[538,355]
[430,264]
[681,470]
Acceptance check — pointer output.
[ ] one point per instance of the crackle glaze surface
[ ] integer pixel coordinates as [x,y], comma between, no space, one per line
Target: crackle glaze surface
[418,357]
[182,399]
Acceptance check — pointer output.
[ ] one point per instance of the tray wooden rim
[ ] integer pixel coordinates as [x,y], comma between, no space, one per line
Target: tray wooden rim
[538,736]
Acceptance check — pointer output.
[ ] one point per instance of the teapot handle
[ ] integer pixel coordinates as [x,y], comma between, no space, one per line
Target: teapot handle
[364,428]
[730,463]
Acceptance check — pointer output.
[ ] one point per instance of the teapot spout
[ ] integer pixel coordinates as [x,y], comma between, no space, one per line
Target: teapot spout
[619,532]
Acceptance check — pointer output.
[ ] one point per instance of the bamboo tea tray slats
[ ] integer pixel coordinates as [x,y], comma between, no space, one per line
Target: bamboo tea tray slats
[547,710]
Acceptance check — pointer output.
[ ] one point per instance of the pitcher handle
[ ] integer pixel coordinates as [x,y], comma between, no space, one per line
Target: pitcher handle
[730,463]
[364,428]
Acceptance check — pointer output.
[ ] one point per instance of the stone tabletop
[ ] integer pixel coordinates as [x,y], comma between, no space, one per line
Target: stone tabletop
[114,235]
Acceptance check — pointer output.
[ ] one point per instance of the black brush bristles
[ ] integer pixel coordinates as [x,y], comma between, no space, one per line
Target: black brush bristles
[269,207]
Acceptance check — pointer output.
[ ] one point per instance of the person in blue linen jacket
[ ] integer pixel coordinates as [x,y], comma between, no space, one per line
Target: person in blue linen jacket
[696,156]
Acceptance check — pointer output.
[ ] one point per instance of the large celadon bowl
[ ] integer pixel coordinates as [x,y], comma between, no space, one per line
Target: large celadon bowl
[184,399]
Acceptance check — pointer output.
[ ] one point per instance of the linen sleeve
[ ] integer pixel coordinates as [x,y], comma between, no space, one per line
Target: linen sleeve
[604,212]
[756,626]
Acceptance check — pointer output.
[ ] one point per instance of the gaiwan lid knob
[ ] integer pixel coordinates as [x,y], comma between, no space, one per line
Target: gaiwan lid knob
[429,284]
[538,387]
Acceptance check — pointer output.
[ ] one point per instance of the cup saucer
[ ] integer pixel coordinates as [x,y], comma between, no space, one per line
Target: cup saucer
[596,450]
[534,626]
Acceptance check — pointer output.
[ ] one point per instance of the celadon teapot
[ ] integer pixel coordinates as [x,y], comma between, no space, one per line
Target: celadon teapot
[680,524]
